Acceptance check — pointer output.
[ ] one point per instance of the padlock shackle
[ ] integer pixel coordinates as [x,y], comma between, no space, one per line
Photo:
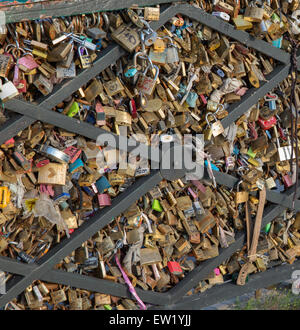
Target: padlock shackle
[210,114]
[140,55]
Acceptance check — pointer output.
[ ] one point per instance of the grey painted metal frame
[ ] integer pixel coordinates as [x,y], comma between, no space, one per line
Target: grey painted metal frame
[226,291]
[74,7]
[42,269]
[89,283]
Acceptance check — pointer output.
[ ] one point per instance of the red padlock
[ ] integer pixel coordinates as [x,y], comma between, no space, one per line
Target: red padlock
[287,181]
[132,107]
[73,152]
[267,124]
[174,267]
[42,163]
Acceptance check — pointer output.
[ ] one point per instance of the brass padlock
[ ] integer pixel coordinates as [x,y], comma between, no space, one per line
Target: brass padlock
[241,196]
[126,37]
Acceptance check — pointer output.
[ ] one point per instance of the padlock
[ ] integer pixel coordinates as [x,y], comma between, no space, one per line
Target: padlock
[254,14]
[85,58]
[104,200]
[4,197]
[146,84]
[8,91]
[284,153]
[216,127]
[267,124]
[241,196]
[151,13]
[43,84]
[126,37]
[5,65]
[287,181]
[271,99]
[27,63]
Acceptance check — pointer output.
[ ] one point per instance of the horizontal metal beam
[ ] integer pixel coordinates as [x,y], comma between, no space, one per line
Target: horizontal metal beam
[69,8]
[85,129]
[82,281]
[103,217]
[226,291]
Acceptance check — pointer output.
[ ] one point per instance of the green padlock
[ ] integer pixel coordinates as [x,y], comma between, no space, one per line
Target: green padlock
[267,228]
[251,153]
[107,307]
[156,206]
[73,110]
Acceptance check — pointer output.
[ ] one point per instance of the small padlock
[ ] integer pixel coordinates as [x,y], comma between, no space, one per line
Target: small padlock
[287,181]
[171,52]
[284,153]
[8,91]
[271,99]
[216,127]
[146,84]
[267,124]
[85,58]
[241,196]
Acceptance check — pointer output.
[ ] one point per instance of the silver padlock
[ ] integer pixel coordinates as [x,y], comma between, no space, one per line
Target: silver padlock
[146,84]
[172,52]
[150,34]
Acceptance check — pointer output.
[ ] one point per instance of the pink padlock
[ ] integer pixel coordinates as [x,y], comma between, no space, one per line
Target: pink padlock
[193,194]
[104,200]
[27,63]
[241,91]
[217,271]
[199,186]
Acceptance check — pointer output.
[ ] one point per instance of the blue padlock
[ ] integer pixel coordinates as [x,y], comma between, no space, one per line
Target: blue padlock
[213,166]
[268,134]
[98,44]
[279,186]
[102,184]
[78,163]
[191,99]
[277,43]
[271,98]
[130,72]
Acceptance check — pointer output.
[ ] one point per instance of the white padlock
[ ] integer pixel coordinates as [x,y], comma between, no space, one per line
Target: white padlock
[8,91]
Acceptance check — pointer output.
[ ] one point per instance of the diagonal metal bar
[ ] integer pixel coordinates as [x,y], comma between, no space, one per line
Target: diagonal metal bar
[226,291]
[18,283]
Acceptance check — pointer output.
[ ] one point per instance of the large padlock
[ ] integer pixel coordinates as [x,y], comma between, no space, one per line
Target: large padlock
[146,84]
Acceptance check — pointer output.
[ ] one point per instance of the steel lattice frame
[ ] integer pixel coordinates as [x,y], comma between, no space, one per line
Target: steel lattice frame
[27,113]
